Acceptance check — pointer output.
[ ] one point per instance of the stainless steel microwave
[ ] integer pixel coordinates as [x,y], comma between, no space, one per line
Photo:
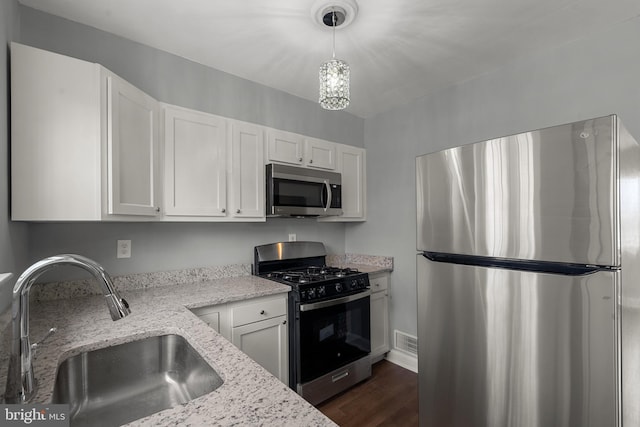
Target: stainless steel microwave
[295,191]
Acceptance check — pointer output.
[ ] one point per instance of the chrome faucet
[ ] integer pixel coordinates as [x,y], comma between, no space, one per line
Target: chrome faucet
[20,382]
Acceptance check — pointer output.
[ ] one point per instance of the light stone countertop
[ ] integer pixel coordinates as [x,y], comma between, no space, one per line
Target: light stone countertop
[249,396]
[371,264]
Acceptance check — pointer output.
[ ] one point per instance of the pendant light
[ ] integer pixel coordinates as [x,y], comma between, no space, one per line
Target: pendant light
[335,73]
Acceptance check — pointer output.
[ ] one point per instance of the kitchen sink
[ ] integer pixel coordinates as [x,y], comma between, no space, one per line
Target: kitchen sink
[116,385]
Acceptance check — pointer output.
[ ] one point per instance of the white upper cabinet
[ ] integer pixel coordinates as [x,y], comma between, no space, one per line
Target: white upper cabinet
[132,147]
[247,172]
[320,154]
[88,146]
[195,163]
[83,142]
[285,147]
[213,167]
[291,148]
[351,164]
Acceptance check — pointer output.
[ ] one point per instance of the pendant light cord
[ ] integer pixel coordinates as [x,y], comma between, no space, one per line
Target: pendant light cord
[333,21]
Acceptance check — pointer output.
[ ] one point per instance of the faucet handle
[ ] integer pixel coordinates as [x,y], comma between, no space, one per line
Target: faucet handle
[37,344]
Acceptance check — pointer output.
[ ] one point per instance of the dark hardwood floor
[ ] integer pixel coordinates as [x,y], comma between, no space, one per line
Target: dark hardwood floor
[388,398]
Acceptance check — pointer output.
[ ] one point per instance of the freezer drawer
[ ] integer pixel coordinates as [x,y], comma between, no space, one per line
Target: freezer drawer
[501,347]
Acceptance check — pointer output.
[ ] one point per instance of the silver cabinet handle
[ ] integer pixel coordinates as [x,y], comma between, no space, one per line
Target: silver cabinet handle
[157,209]
[299,159]
[262,312]
[238,211]
[310,161]
[223,210]
[284,322]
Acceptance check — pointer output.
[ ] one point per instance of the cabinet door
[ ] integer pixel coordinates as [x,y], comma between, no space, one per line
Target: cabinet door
[132,150]
[195,163]
[247,171]
[55,137]
[352,164]
[285,147]
[320,154]
[266,342]
[216,316]
[379,323]
[212,320]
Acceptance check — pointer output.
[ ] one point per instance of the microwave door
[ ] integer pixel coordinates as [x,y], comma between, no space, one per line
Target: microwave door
[293,191]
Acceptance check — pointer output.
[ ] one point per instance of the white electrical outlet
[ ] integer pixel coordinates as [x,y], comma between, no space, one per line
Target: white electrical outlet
[124,249]
[292,237]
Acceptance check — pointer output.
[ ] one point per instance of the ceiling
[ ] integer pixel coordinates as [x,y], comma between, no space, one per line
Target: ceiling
[398,50]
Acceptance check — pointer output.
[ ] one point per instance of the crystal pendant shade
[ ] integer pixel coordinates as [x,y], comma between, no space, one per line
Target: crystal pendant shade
[334,84]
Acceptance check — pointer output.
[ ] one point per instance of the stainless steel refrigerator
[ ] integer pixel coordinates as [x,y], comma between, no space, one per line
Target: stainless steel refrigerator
[528,280]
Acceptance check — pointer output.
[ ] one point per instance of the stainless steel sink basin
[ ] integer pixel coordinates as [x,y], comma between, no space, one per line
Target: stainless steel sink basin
[116,385]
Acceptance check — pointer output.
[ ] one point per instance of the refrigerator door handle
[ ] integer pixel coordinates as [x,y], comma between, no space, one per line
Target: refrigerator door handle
[518,264]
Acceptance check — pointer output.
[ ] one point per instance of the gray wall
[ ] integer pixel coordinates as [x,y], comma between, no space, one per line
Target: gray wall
[171,246]
[580,80]
[172,79]
[175,80]
[13,236]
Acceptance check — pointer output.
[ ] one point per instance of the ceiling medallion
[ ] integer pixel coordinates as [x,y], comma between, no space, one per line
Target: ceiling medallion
[334,74]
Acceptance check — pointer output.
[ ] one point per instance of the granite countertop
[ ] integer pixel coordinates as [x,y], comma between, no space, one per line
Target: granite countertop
[365,263]
[249,396]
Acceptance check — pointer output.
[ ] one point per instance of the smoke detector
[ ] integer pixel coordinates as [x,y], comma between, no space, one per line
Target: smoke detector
[345,12]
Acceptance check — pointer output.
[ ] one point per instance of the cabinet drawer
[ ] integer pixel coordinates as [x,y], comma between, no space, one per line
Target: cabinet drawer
[379,283]
[259,310]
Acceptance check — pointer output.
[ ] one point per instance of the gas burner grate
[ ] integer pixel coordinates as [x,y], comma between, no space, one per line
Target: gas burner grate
[311,274]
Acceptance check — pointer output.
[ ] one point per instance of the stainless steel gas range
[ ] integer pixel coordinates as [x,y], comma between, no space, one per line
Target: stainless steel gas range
[329,323]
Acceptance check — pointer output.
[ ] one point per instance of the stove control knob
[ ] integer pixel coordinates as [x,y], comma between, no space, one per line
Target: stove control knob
[354,284]
[338,287]
[303,295]
[312,293]
[321,291]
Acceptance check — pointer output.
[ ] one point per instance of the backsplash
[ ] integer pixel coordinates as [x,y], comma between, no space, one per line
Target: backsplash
[86,287]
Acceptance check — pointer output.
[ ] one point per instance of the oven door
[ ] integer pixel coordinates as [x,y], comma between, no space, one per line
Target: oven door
[332,334]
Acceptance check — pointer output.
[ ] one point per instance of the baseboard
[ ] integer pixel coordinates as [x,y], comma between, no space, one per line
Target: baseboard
[403,359]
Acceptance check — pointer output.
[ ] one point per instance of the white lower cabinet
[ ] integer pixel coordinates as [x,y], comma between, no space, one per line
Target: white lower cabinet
[214,316]
[266,343]
[258,327]
[379,316]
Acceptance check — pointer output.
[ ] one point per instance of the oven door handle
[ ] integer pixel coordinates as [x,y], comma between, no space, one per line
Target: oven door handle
[329,303]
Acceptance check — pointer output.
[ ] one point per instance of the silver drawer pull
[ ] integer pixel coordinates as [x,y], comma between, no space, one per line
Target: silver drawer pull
[262,312]
[338,377]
